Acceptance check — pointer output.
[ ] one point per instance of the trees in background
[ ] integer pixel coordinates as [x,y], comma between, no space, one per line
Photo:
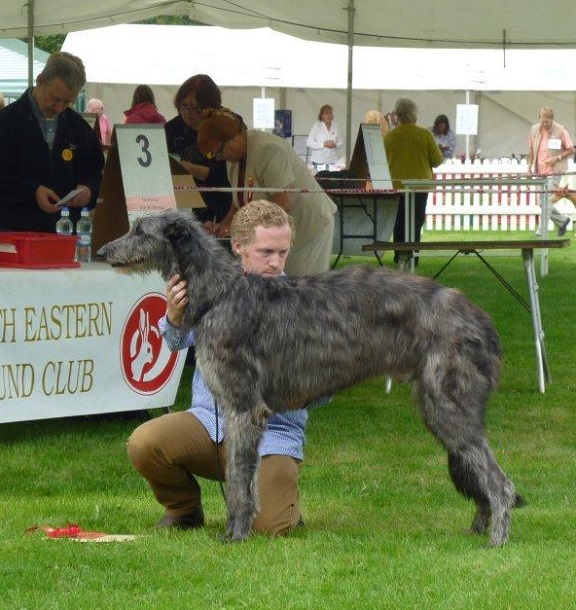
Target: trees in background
[54,42]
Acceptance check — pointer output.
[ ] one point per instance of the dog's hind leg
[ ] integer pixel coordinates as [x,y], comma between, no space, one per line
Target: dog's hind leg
[477,475]
[457,425]
[463,478]
[243,433]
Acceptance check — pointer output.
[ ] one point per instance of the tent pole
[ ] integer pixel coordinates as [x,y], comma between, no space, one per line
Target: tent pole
[30,43]
[467,134]
[351,11]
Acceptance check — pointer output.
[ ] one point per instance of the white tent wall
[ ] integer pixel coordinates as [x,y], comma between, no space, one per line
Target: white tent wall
[304,103]
[504,117]
[14,67]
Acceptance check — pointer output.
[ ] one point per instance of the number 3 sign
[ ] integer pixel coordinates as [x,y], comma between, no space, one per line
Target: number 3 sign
[145,167]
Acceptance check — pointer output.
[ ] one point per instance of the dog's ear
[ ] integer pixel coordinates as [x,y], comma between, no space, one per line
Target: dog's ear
[177,232]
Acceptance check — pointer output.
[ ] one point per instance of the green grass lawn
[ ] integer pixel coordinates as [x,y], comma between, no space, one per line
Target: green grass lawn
[384,527]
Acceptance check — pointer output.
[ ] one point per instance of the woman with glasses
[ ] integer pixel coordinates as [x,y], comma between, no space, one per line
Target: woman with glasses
[260,159]
[196,93]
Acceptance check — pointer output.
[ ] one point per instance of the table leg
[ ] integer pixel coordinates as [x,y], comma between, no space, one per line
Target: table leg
[372,215]
[544,220]
[341,240]
[412,236]
[375,227]
[409,203]
[541,358]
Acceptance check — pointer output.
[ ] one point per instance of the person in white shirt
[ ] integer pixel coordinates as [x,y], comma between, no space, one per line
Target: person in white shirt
[324,139]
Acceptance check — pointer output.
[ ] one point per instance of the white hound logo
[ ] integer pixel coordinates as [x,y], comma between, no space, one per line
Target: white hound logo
[147,363]
[140,348]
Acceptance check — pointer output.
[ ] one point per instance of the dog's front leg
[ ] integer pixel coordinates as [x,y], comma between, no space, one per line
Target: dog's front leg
[244,431]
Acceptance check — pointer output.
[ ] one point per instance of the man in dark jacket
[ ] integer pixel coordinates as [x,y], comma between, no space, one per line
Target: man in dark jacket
[46,150]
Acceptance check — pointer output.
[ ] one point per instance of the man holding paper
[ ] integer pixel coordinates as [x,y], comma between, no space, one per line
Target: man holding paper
[47,150]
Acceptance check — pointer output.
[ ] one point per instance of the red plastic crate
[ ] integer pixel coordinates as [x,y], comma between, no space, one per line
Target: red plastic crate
[32,250]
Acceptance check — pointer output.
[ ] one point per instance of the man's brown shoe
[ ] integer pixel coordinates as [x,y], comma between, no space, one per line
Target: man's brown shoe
[182,522]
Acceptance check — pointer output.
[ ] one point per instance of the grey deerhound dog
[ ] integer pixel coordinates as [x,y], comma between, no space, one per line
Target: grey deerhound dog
[263,344]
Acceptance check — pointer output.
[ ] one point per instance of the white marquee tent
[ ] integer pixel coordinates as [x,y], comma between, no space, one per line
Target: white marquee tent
[404,23]
[14,66]
[490,24]
[302,75]
[264,57]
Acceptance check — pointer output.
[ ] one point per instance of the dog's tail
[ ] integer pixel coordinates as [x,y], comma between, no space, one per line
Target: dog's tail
[519,501]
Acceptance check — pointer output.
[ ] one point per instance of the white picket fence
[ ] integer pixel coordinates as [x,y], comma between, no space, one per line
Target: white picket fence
[476,206]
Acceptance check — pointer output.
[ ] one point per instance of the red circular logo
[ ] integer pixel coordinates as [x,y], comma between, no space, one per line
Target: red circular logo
[147,363]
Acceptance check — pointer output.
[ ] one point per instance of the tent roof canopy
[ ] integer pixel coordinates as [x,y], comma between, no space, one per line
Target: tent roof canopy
[63,16]
[404,23]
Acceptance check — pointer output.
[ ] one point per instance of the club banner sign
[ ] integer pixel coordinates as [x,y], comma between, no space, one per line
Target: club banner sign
[83,341]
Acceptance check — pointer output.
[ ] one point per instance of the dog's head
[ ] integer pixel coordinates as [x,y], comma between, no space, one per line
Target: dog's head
[152,244]
[169,242]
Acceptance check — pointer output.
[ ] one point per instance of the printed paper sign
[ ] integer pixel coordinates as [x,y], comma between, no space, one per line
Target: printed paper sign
[467,119]
[263,111]
[145,168]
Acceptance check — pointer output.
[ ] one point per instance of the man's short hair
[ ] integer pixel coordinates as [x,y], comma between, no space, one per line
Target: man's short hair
[66,67]
[259,213]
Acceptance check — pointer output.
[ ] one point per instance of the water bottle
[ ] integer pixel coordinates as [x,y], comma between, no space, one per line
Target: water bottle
[84,234]
[64,224]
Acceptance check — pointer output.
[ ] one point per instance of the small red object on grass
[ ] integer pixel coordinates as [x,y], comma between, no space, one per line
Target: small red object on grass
[70,531]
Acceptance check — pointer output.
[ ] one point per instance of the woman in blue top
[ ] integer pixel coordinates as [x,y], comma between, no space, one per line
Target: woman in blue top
[172,450]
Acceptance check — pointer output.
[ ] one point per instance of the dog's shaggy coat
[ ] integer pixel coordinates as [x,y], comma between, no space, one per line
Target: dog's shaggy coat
[263,344]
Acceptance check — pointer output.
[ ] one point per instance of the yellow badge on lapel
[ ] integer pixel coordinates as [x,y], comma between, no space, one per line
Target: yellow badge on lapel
[67,154]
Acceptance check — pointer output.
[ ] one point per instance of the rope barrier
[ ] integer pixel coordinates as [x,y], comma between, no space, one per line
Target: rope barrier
[441,185]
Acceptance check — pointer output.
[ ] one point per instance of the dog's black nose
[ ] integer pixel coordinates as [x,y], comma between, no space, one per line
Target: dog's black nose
[101,254]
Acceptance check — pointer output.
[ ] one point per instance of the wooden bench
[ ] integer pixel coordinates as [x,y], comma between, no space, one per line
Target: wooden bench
[466,247]
[526,247]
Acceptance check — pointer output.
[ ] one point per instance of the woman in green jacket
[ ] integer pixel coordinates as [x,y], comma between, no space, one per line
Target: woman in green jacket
[412,153]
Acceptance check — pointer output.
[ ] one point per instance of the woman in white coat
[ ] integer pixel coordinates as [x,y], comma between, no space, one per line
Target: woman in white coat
[324,139]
